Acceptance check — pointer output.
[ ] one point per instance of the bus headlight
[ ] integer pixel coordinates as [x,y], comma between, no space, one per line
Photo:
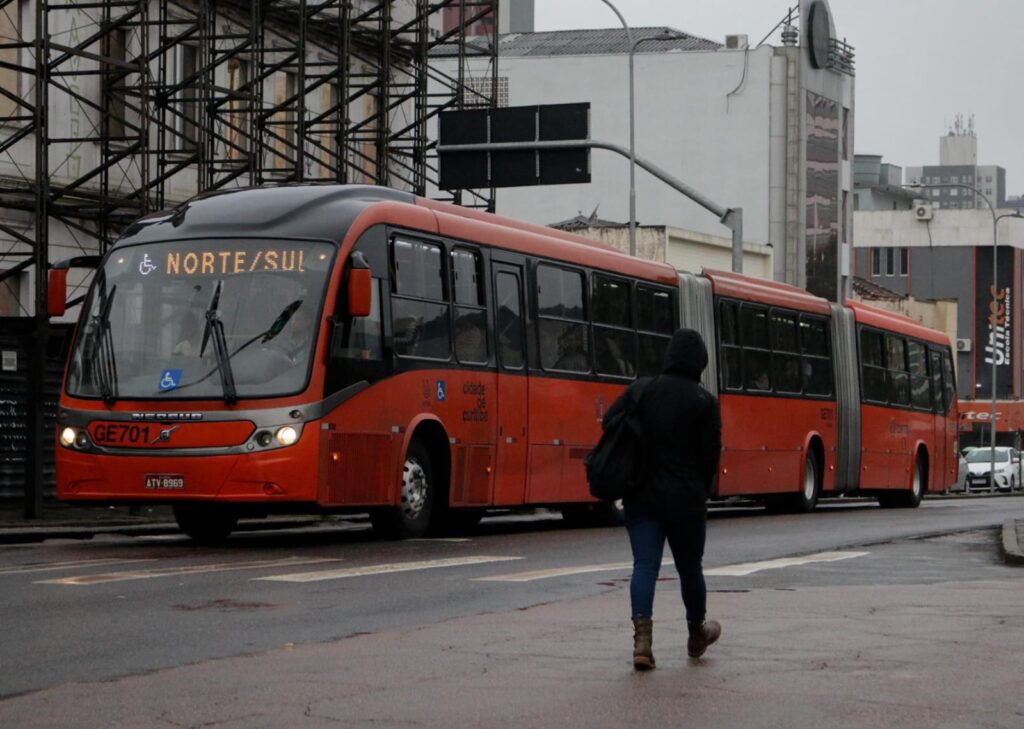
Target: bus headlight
[287,435]
[82,439]
[67,437]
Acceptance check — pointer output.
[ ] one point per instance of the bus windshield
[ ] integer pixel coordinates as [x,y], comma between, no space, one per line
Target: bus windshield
[201,319]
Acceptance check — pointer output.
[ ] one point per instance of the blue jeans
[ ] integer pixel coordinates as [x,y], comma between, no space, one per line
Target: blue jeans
[649,527]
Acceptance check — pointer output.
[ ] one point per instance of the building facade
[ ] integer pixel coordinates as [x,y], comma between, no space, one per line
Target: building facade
[768,129]
[958,165]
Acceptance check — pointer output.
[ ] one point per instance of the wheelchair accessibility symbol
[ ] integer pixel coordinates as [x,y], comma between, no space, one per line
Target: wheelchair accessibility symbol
[146,266]
[440,391]
[169,380]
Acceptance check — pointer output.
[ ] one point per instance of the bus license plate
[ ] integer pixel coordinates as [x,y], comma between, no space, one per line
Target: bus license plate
[165,482]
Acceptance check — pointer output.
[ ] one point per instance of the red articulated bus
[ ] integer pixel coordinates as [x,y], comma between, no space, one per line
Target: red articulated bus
[818,397]
[352,348]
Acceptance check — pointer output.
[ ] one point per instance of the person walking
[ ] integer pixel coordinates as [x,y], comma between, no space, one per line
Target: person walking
[683,439]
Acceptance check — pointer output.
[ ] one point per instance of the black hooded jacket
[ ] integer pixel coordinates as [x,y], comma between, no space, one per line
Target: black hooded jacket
[682,425]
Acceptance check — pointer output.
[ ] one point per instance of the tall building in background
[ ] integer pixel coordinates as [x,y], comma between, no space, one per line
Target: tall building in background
[958,164]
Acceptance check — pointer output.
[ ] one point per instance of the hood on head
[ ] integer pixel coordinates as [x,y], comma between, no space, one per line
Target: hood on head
[686,354]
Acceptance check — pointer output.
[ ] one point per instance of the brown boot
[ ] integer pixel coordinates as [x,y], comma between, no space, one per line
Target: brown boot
[643,657]
[702,635]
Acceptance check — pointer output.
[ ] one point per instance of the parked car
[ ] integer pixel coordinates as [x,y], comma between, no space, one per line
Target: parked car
[1007,474]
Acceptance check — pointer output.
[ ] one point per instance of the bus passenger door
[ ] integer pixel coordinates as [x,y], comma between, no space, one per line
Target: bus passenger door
[512,388]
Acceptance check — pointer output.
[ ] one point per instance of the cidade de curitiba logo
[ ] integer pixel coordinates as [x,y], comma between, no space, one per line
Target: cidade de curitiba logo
[999,323]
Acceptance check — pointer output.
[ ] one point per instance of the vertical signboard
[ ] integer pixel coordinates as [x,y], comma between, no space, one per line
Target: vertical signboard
[822,197]
[993,322]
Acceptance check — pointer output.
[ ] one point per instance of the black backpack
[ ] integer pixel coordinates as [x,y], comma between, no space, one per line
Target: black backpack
[616,466]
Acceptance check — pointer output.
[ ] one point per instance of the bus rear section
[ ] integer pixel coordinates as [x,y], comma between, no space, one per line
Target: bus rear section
[908,407]
[772,370]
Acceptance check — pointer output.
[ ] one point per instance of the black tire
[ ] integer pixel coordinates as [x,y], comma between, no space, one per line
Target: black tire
[412,517]
[910,498]
[810,488]
[206,523]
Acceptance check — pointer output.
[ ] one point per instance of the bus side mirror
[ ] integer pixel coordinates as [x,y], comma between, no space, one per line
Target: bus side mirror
[360,292]
[57,292]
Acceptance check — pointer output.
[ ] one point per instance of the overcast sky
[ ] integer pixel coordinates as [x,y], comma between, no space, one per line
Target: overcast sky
[919,63]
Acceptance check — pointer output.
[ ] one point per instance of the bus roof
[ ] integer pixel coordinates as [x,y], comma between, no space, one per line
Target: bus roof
[327,212]
[764,291]
[891,321]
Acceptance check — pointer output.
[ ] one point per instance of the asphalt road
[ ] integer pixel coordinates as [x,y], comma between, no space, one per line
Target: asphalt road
[112,607]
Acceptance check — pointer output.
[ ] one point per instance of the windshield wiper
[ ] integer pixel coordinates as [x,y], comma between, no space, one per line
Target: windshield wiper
[104,364]
[265,336]
[215,327]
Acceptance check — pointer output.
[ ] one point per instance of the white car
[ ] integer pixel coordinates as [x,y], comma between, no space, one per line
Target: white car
[1008,469]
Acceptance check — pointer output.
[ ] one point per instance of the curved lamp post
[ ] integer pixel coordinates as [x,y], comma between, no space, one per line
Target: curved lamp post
[995,301]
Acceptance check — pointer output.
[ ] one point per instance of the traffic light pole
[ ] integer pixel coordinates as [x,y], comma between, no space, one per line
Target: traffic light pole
[731,218]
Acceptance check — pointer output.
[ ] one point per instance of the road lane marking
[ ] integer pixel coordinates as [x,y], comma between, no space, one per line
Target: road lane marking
[736,570]
[749,568]
[185,570]
[384,569]
[53,566]
[556,572]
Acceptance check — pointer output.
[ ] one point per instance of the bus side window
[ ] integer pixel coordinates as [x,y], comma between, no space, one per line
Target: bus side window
[873,374]
[896,363]
[949,378]
[756,357]
[655,321]
[816,356]
[935,366]
[785,352]
[564,340]
[470,307]
[920,385]
[614,337]
[732,354]
[419,306]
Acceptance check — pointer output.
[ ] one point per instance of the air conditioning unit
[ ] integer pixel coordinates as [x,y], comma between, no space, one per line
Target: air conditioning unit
[923,211]
[736,42]
[963,345]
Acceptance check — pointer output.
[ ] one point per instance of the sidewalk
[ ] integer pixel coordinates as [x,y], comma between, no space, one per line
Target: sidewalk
[942,656]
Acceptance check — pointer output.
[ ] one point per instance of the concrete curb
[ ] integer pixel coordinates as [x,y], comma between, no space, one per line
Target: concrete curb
[1013,536]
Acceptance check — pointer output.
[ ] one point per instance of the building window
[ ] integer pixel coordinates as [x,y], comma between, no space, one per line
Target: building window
[954,179]
[904,261]
[890,262]
[876,261]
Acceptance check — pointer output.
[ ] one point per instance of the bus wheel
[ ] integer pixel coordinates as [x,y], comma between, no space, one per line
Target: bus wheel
[909,499]
[206,523]
[810,488]
[411,518]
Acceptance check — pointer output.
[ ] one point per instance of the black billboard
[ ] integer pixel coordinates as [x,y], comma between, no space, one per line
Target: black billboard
[993,322]
[519,167]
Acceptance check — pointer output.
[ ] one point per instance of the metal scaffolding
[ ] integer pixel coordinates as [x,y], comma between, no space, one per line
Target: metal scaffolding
[113,109]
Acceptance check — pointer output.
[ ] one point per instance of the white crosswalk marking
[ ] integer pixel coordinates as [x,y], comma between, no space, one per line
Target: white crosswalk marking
[557,572]
[384,569]
[182,570]
[736,570]
[749,568]
[54,566]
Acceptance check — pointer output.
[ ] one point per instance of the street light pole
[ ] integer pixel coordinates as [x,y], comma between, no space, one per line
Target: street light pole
[665,35]
[993,307]
[632,148]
